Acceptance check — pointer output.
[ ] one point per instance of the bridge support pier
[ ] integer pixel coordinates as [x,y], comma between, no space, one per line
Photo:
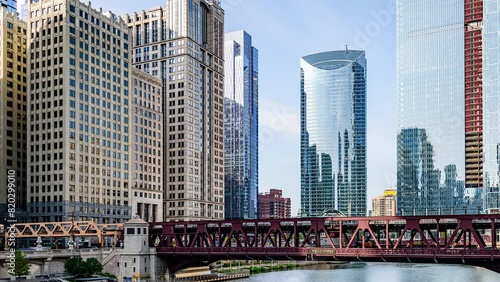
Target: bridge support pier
[159,269]
[137,258]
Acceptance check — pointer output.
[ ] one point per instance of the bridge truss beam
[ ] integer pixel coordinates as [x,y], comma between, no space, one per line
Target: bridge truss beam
[471,239]
[69,229]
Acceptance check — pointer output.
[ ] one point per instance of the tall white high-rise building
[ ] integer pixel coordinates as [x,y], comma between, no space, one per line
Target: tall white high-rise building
[183,44]
[147,172]
[79,113]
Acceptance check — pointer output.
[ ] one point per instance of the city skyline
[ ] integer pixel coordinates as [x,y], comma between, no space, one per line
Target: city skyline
[279,100]
[279,112]
[170,139]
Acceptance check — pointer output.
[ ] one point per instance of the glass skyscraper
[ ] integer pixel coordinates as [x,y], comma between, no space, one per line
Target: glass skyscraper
[333,133]
[448,140]
[241,118]
[491,102]
[10,4]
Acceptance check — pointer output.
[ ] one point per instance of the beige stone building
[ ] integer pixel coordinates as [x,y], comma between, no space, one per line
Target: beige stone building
[384,205]
[147,188]
[79,132]
[182,43]
[12,110]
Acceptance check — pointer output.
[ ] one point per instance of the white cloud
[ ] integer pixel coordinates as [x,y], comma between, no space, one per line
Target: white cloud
[19,5]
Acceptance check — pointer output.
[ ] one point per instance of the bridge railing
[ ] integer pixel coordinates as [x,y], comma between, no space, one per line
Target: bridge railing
[61,251]
[272,253]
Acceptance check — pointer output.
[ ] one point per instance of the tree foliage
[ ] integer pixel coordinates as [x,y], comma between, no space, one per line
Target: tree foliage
[92,266]
[81,268]
[74,266]
[22,265]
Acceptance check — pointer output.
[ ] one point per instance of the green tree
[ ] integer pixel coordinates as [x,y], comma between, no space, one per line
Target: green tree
[80,268]
[21,266]
[75,266]
[92,266]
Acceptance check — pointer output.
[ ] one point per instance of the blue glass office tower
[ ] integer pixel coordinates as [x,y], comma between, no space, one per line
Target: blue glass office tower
[241,129]
[333,133]
[448,114]
[491,102]
[10,4]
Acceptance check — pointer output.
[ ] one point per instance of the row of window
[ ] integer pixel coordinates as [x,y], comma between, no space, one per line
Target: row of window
[46,10]
[97,22]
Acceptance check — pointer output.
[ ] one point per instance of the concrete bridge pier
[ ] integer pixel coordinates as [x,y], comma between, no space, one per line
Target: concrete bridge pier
[43,266]
[40,267]
[159,269]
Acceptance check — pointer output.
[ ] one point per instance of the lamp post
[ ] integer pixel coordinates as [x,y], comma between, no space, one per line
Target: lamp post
[71,242]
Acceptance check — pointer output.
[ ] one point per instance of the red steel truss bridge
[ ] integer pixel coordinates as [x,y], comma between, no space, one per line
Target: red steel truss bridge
[456,239]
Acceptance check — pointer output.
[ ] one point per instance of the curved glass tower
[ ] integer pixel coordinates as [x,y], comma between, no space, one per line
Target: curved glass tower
[333,133]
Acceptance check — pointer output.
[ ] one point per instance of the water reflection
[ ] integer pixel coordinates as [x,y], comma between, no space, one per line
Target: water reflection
[384,272]
[425,189]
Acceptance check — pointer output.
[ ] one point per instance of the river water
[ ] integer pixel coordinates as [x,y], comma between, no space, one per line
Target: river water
[382,272]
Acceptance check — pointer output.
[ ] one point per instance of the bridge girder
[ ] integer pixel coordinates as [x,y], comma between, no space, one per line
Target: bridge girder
[469,239]
[65,230]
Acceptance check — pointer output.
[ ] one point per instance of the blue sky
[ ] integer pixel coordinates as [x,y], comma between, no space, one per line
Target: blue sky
[284,31]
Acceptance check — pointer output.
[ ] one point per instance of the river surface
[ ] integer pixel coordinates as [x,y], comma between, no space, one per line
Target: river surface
[382,272]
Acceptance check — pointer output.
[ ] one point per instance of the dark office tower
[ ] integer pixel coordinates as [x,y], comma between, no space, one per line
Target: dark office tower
[183,44]
[13,143]
[241,129]
[448,81]
[333,133]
